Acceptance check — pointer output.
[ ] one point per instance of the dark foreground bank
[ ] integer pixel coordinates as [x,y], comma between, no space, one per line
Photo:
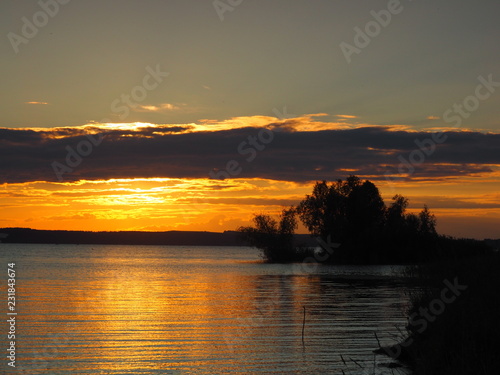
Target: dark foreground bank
[454,325]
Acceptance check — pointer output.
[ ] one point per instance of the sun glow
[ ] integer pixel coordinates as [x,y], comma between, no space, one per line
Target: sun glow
[160,204]
[143,204]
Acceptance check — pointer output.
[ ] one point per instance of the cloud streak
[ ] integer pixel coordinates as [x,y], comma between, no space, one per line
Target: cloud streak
[164,107]
[326,151]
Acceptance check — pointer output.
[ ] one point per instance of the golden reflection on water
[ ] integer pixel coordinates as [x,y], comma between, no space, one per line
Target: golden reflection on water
[153,310]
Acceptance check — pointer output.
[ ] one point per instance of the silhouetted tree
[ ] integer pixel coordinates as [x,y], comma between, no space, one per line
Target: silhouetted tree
[409,237]
[365,209]
[396,212]
[352,213]
[349,212]
[427,222]
[275,239]
[365,221]
[328,210]
[321,211]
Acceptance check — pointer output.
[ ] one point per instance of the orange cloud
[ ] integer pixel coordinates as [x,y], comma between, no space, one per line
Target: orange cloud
[165,107]
[45,103]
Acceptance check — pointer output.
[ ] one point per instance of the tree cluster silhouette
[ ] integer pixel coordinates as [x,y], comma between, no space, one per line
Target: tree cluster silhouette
[352,213]
[274,238]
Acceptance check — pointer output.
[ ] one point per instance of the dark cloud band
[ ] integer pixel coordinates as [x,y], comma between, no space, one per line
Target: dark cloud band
[172,151]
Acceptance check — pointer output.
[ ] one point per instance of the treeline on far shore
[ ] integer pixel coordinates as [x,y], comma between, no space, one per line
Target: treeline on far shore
[365,230]
[168,238]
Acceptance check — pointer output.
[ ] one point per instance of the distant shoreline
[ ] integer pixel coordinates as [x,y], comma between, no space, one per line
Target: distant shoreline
[176,238]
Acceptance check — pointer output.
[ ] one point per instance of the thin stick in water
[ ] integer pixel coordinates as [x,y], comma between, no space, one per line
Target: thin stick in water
[378,341]
[303,324]
[345,364]
[356,363]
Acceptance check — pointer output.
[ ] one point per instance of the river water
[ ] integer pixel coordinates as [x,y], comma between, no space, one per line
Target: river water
[95,309]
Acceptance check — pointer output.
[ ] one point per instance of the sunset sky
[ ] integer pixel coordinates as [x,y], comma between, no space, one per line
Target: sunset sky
[123,115]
